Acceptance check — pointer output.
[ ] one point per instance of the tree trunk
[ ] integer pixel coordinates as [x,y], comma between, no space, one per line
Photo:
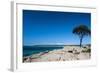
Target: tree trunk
[81,42]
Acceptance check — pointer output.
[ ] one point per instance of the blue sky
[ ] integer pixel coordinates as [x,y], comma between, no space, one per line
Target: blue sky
[48,27]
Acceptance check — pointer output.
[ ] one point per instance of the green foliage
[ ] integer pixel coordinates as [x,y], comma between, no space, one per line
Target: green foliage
[86,50]
[81,31]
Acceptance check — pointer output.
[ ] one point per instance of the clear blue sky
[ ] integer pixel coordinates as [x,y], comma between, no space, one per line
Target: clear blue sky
[48,27]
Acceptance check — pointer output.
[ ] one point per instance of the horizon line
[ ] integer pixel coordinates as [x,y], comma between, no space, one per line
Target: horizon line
[56,44]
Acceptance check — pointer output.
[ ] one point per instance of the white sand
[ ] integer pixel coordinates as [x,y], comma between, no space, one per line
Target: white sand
[66,54]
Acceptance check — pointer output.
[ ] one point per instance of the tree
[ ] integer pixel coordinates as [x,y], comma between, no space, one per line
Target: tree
[81,31]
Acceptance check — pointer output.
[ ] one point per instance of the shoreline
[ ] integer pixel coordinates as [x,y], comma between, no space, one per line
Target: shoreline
[68,53]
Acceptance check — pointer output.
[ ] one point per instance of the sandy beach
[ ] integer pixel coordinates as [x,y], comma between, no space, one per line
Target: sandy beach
[68,53]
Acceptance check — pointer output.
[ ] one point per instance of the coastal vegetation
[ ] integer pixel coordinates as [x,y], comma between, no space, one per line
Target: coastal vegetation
[81,31]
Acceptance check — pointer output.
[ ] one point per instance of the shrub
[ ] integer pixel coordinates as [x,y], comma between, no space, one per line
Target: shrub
[86,50]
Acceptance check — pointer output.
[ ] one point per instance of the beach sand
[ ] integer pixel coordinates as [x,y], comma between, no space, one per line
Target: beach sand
[68,53]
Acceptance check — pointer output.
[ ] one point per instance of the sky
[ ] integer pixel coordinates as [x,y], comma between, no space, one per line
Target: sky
[50,27]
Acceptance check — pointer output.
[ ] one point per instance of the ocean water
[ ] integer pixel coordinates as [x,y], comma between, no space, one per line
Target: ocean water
[29,50]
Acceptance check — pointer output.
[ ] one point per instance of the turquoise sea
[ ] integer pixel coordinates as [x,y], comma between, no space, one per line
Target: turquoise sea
[29,50]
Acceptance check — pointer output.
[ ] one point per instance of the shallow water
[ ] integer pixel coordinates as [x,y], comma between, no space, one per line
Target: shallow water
[29,50]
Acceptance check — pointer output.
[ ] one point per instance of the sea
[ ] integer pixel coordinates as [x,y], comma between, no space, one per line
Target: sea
[29,50]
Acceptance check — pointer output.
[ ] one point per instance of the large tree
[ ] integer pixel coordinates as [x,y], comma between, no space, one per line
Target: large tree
[81,31]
